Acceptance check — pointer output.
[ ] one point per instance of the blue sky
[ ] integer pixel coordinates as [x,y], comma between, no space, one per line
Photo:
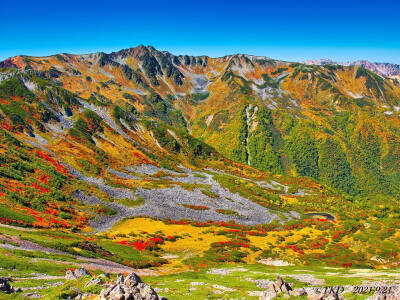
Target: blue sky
[289,30]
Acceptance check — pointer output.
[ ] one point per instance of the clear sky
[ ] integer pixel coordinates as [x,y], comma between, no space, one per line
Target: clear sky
[282,29]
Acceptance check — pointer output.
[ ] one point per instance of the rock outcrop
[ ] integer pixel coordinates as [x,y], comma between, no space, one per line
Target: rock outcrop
[279,288]
[274,289]
[73,275]
[129,288]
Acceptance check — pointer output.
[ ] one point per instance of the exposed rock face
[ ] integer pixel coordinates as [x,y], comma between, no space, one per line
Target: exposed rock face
[129,288]
[132,280]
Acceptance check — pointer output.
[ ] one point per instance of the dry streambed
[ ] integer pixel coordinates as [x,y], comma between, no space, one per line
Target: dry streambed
[175,202]
[172,202]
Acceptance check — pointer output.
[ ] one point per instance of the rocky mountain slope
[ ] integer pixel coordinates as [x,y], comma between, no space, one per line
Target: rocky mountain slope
[384,69]
[284,118]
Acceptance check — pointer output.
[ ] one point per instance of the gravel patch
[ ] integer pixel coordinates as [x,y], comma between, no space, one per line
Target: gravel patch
[222,288]
[260,283]
[167,202]
[225,271]
[122,174]
[274,262]
[195,283]
[148,169]
[102,223]
[65,123]
[118,193]
[32,295]
[104,114]
[18,228]
[255,293]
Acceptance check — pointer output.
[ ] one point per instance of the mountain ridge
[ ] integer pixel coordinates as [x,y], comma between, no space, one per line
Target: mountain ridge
[211,95]
[381,68]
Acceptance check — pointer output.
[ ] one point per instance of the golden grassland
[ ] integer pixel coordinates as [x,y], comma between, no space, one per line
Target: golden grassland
[195,239]
[309,242]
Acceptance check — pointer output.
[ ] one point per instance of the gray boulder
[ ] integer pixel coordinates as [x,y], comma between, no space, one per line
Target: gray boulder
[147,292]
[32,295]
[281,286]
[117,293]
[132,280]
[120,279]
[73,275]
[389,293]
[81,272]
[129,288]
[107,291]
[69,275]
[94,281]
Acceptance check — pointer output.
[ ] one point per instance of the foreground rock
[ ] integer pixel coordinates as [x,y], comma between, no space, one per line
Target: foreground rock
[129,288]
[279,287]
[392,294]
[5,286]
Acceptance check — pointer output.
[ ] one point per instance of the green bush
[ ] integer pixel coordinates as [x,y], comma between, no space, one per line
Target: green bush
[262,153]
[303,151]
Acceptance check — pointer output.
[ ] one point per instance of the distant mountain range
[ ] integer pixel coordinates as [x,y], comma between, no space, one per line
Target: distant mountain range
[385,69]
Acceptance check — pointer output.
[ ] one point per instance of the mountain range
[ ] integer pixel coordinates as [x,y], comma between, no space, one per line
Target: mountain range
[249,109]
[146,159]
[384,69]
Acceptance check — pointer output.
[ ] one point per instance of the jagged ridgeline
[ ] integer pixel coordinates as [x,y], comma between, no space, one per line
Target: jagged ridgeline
[338,125]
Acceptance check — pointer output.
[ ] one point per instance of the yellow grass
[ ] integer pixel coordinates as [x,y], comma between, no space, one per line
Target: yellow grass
[195,240]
